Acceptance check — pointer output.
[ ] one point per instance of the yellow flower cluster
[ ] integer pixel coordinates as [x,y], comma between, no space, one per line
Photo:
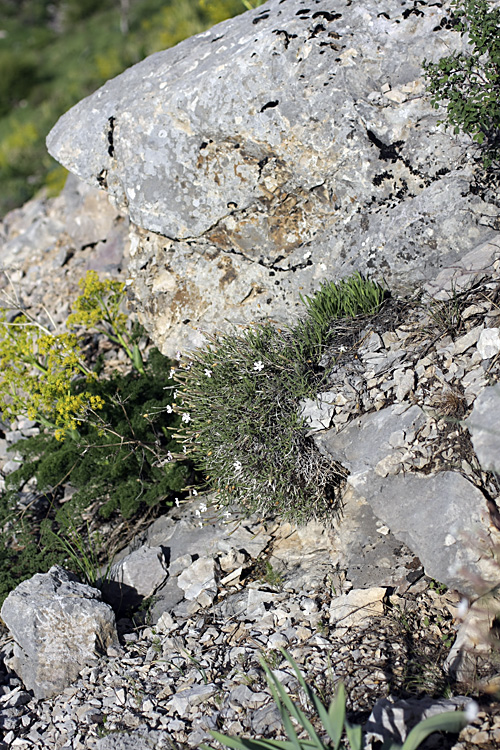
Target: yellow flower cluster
[36,371]
[99,303]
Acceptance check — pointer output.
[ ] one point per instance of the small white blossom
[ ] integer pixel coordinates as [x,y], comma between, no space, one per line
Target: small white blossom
[197,513]
[227,514]
[168,409]
[177,501]
[471,710]
[172,372]
[200,523]
[175,394]
[178,355]
[208,372]
[307,255]
[463,608]
[342,348]
[237,466]
[186,417]
[194,493]
[258,365]
[203,507]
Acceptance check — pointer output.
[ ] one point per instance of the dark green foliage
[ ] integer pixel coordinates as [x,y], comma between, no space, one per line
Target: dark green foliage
[119,464]
[469,83]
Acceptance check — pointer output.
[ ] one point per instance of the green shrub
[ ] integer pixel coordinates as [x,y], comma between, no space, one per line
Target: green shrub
[239,405]
[110,438]
[469,82]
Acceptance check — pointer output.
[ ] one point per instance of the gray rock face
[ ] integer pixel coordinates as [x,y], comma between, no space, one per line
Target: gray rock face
[280,146]
[59,626]
[440,517]
[484,427]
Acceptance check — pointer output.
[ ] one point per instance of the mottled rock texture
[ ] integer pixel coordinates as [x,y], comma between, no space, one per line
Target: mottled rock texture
[287,145]
[59,626]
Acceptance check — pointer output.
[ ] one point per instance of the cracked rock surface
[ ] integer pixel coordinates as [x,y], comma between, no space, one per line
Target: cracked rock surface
[282,146]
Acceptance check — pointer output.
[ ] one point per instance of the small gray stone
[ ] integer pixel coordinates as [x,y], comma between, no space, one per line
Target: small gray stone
[135,577]
[200,575]
[489,343]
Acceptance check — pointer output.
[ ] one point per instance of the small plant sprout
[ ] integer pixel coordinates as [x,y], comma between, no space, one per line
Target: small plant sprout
[334,723]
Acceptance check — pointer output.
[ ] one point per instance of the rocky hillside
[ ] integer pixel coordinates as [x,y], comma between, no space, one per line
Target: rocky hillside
[248,164]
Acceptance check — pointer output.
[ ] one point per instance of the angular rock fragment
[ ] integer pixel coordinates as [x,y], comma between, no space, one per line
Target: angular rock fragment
[59,626]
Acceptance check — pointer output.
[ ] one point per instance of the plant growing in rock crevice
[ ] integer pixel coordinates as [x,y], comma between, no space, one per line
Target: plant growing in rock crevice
[469,82]
[238,401]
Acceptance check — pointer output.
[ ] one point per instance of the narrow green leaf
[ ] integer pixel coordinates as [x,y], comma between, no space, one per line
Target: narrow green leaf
[450,721]
[354,735]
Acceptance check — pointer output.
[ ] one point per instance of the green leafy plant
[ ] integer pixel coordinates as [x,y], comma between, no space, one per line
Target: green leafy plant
[239,406]
[468,83]
[333,721]
[108,438]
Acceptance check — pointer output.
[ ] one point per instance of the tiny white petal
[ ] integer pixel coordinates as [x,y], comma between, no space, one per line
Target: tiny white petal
[471,710]
[197,513]
[186,417]
[194,493]
[203,507]
[168,409]
[177,501]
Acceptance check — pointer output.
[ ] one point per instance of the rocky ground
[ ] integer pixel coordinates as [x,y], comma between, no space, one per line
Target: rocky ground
[194,665]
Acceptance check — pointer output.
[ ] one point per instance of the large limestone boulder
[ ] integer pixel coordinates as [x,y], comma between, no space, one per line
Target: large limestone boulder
[287,145]
[59,626]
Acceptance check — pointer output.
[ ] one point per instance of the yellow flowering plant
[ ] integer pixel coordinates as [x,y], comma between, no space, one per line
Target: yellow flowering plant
[37,368]
[99,307]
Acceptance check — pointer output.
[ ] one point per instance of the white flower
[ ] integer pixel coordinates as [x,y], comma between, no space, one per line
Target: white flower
[471,710]
[307,255]
[177,501]
[227,514]
[197,513]
[203,507]
[237,466]
[178,355]
[172,372]
[194,493]
[200,523]
[258,365]
[463,608]
[208,372]
[186,417]
[342,348]
[168,409]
